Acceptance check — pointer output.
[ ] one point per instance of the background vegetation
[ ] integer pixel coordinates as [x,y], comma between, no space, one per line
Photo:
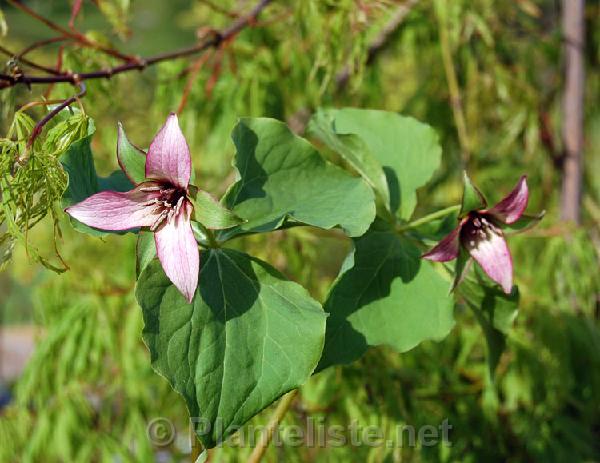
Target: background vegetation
[88,393]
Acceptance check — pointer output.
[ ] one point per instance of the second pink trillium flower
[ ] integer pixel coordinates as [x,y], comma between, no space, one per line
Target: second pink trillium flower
[479,232]
[160,203]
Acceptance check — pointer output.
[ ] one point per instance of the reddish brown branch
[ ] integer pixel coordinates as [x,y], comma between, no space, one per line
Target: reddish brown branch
[40,125]
[75,12]
[42,43]
[192,76]
[73,34]
[19,59]
[215,40]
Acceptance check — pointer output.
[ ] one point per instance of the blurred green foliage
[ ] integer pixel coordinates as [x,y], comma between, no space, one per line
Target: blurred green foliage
[88,393]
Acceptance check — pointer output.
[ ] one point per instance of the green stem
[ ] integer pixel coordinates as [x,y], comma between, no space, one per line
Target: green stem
[429,218]
[265,439]
[212,241]
[210,236]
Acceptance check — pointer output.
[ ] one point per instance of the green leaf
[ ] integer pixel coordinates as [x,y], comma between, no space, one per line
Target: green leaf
[353,149]
[78,163]
[408,150]
[131,159]
[145,251]
[212,214]
[283,177]
[248,337]
[385,295]
[473,199]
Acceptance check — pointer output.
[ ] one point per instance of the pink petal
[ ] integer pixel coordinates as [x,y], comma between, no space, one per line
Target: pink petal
[115,211]
[510,209]
[493,255]
[447,249]
[178,252]
[169,155]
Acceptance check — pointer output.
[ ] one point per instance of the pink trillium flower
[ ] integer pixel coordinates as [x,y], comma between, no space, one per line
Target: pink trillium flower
[160,203]
[480,233]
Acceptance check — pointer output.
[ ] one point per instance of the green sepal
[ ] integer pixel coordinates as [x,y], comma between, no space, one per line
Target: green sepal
[463,264]
[473,199]
[145,251]
[524,223]
[131,159]
[210,213]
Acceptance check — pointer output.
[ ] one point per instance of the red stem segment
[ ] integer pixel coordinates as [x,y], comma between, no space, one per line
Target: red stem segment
[140,63]
[40,125]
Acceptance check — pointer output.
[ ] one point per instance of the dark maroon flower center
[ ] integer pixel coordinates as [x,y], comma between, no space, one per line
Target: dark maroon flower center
[477,227]
[167,201]
[171,195]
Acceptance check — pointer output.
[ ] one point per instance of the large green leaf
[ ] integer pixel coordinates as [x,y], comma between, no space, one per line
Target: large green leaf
[282,177]
[385,295]
[248,337]
[352,148]
[78,162]
[408,150]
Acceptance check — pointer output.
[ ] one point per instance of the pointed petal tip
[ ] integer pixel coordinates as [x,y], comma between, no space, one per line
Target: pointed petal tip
[507,289]
[511,207]
[189,297]
[115,211]
[168,156]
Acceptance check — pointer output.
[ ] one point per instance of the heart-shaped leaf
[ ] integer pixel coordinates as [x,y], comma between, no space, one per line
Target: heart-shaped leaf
[385,295]
[408,150]
[283,177]
[248,337]
[352,148]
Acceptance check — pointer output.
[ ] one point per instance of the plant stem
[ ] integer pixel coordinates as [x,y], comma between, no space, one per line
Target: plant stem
[210,236]
[196,448]
[429,218]
[135,63]
[265,438]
